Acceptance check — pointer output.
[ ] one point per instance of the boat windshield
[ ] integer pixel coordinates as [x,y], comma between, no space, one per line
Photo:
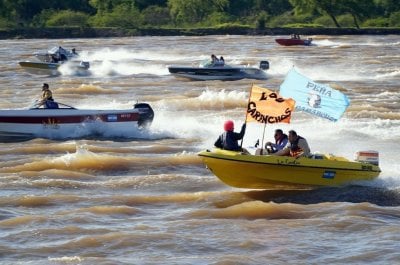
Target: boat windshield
[53,50]
[206,63]
[59,50]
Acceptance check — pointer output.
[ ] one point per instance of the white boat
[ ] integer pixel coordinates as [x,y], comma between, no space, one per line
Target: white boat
[66,122]
[48,63]
[207,71]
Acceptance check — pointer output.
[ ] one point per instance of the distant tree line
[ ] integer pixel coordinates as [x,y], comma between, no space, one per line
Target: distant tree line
[199,13]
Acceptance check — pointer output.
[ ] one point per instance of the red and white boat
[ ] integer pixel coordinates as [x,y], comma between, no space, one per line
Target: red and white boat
[294,40]
[67,122]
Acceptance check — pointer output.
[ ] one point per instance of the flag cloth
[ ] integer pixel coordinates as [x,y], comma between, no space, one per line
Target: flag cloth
[266,106]
[314,98]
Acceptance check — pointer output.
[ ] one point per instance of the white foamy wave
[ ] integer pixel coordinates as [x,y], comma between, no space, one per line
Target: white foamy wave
[326,42]
[112,68]
[280,66]
[107,62]
[67,260]
[222,95]
[393,73]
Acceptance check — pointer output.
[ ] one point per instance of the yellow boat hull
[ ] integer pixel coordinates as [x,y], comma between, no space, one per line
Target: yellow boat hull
[264,171]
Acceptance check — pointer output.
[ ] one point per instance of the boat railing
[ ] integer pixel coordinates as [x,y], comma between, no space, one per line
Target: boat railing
[36,105]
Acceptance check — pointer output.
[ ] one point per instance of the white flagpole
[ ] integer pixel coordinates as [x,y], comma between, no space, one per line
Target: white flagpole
[245,119]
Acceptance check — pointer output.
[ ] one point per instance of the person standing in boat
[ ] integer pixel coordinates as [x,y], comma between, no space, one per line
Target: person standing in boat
[47,98]
[228,140]
[296,147]
[281,141]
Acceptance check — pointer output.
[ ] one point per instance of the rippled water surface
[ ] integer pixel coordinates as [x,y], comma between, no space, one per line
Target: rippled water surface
[150,200]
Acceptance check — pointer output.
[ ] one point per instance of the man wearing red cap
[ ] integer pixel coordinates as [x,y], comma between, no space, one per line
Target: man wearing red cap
[229,139]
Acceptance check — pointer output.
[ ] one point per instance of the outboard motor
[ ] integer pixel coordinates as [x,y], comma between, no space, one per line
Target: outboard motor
[370,156]
[264,65]
[146,114]
[84,64]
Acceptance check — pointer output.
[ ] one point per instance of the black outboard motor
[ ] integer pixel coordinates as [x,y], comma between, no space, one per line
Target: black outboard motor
[264,65]
[84,65]
[146,114]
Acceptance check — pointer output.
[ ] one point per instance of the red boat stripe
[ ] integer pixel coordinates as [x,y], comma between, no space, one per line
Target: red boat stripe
[368,154]
[123,117]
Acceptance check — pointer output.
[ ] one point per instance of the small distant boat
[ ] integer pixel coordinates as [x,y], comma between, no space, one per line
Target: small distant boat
[241,170]
[207,71]
[294,40]
[48,63]
[66,121]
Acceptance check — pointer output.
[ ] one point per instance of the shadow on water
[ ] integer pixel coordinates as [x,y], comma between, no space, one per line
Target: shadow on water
[354,194]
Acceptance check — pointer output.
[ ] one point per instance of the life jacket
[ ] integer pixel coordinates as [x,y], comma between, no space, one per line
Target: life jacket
[295,150]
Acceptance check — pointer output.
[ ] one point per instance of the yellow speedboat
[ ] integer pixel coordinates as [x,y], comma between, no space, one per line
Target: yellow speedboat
[263,171]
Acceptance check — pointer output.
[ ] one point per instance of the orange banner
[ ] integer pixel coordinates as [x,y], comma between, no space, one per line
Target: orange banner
[266,106]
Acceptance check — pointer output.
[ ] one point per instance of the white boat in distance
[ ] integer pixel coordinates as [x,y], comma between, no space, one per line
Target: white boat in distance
[224,72]
[67,122]
[48,63]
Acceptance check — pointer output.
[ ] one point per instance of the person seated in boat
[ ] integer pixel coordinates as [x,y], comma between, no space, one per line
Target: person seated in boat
[47,98]
[296,147]
[281,141]
[54,58]
[221,61]
[295,36]
[60,55]
[214,60]
[228,140]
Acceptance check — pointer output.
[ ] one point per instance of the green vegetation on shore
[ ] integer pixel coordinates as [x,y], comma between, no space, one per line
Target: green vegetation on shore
[141,17]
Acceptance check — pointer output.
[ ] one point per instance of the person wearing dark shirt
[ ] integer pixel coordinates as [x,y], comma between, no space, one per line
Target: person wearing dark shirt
[228,140]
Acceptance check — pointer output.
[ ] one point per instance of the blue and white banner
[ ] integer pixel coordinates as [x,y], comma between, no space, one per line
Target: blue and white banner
[314,98]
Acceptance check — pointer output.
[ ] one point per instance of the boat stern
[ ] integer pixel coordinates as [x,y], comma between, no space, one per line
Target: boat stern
[146,114]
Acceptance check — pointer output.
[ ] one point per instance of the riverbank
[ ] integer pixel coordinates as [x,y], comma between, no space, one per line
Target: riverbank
[76,32]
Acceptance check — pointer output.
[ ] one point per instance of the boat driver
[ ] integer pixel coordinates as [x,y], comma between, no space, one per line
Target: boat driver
[296,147]
[47,98]
[281,141]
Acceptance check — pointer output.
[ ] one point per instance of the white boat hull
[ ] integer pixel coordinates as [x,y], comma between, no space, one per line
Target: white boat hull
[67,123]
[46,68]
